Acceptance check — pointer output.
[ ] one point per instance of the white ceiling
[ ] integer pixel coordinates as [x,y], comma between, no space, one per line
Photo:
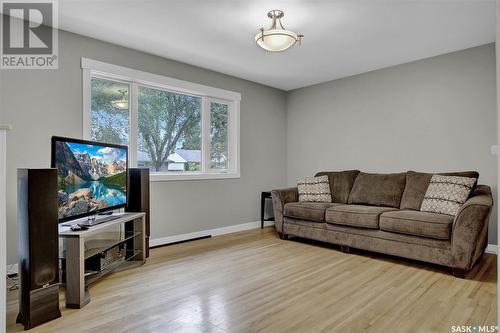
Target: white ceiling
[342,38]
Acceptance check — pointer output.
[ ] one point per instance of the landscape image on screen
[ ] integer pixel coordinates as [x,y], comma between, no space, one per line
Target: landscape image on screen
[90,177]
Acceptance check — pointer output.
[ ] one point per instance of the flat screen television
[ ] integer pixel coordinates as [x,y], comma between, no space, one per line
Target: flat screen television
[92,177]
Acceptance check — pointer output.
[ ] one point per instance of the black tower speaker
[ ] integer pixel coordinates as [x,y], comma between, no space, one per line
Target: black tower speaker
[38,246]
[138,196]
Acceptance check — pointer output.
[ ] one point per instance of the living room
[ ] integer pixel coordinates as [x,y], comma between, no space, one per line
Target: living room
[294,166]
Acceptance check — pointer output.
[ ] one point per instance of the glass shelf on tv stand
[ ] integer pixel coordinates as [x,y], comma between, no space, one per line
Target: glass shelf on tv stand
[107,241]
[92,220]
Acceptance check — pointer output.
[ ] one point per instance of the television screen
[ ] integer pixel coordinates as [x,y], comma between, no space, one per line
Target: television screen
[92,176]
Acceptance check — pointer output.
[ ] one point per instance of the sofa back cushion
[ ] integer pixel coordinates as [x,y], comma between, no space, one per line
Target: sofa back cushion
[417,183]
[340,183]
[377,189]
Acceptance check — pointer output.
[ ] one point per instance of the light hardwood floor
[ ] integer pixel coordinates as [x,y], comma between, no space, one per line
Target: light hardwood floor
[253,282]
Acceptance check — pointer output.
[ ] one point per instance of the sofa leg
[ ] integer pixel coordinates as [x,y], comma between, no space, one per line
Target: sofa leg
[345,248]
[459,273]
[282,236]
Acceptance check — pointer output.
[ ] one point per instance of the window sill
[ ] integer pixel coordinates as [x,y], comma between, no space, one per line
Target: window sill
[159,177]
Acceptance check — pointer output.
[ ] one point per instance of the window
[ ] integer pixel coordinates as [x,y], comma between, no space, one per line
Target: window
[177,129]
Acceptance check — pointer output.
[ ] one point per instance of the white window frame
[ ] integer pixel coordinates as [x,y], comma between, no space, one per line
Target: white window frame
[97,69]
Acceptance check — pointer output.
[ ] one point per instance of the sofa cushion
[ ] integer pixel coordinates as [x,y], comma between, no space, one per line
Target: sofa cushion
[417,183]
[340,183]
[314,189]
[312,211]
[446,194]
[378,189]
[416,223]
[356,215]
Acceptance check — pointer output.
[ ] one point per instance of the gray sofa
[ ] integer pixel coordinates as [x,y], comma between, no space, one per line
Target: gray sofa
[380,213]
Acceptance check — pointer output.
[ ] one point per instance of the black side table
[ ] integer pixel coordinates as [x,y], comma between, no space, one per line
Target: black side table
[265,195]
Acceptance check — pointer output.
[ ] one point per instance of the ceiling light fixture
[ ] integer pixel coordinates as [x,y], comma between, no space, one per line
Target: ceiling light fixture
[276,38]
[121,104]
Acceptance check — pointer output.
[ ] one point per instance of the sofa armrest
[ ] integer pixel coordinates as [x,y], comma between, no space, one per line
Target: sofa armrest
[469,236]
[280,198]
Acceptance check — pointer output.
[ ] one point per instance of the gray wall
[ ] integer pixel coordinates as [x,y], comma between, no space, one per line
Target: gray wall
[431,115]
[436,114]
[42,103]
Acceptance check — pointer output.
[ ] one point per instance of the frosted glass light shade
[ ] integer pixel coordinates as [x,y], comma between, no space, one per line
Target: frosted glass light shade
[120,104]
[276,40]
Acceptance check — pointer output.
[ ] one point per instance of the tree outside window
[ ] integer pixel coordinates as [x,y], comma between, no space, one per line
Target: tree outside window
[167,123]
[219,118]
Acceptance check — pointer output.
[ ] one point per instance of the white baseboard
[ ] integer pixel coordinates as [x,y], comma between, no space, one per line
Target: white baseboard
[209,232]
[491,248]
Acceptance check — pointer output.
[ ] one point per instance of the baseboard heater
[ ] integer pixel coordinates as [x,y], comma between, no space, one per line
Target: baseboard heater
[181,241]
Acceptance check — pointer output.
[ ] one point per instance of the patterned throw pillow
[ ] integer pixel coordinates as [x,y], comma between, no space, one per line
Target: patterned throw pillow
[445,194]
[314,189]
